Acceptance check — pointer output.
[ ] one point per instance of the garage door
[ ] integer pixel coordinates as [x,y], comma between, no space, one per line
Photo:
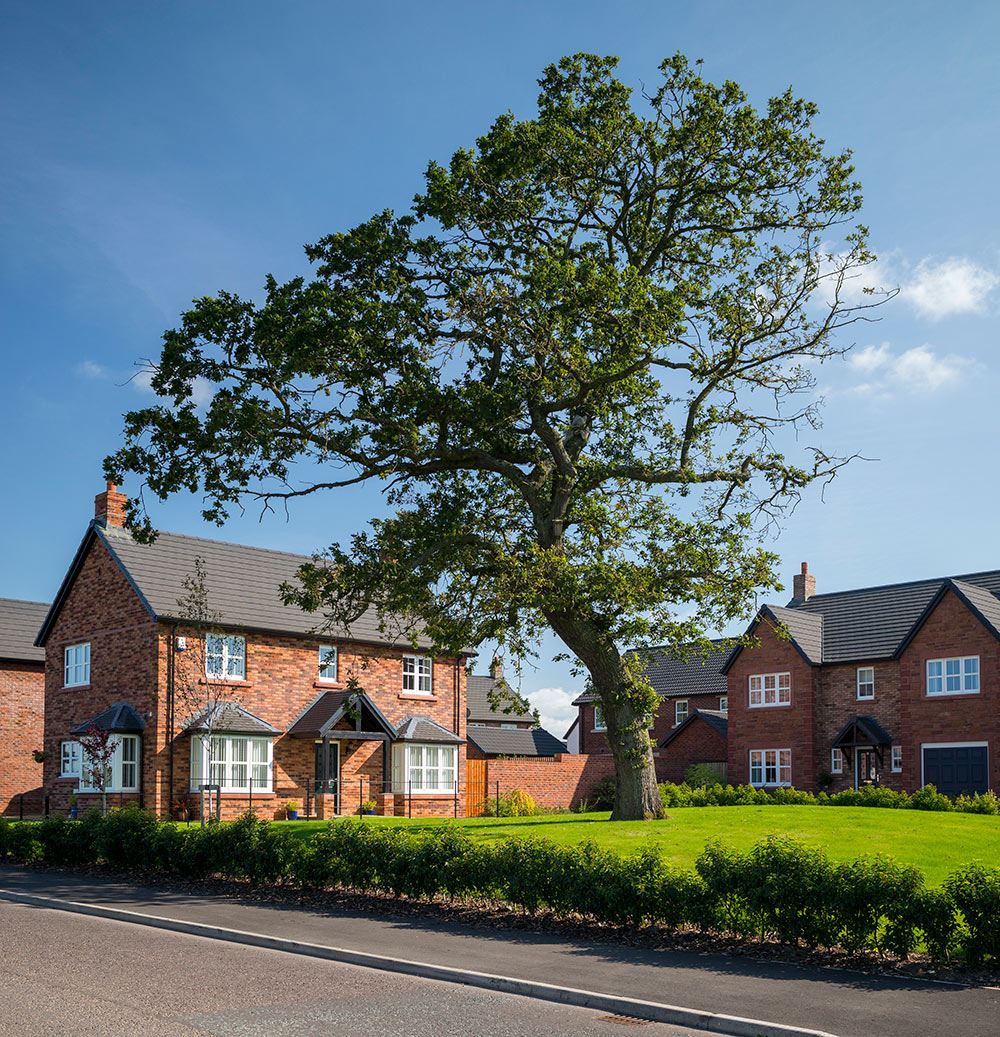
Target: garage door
[956,770]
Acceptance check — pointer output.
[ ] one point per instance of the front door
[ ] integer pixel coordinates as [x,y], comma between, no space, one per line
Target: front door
[331,786]
[866,769]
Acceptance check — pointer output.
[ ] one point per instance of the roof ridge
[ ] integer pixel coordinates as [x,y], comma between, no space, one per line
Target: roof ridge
[891,586]
[25,601]
[120,531]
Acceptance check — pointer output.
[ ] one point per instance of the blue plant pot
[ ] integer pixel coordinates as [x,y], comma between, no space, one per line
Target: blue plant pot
[293,815]
[74,812]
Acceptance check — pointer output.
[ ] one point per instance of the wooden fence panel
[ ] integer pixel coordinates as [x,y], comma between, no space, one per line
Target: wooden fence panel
[476,787]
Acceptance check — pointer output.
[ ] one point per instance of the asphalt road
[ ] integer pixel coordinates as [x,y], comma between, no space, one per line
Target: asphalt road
[849,1004]
[63,973]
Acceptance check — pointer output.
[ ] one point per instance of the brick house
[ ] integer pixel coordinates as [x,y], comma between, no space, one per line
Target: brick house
[338,716]
[492,703]
[898,685]
[687,687]
[22,697]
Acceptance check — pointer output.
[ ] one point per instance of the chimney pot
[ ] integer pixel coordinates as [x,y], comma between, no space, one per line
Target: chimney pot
[496,668]
[803,584]
[109,506]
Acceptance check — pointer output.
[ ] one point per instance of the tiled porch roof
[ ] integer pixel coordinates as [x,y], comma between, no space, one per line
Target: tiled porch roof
[423,729]
[232,718]
[330,707]
[120,718]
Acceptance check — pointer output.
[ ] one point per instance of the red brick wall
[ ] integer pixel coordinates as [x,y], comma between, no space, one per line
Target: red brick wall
[101,608]
[950,630]
[779,727]
[592,741]
[558,781]
[22,697]
[699,742]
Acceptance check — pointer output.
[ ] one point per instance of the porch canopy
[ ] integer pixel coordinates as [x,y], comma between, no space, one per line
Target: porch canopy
[229,718]
[121,718]
[862,732]
[330,708]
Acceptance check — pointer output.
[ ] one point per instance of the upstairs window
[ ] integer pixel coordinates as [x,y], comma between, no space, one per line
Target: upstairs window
[958,676]
[225,657]
[76,665]
[723,703]
[680,712]
[600,724]
[418,673]
[327,663]
[770,689]
[866,682]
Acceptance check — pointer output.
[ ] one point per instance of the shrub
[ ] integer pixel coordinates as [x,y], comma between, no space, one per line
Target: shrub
[701,774]
[603,796]
[928,798]
[516,803]
[124,839]
[975,891]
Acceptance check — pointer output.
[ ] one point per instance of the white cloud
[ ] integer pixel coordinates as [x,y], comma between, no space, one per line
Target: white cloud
[949,287]
[202,389]
[96,372]
[555,708]
[918,370]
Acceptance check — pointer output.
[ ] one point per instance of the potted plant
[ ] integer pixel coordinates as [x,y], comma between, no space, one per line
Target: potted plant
[73,809]
[38,755]
[292,810]
[368,806]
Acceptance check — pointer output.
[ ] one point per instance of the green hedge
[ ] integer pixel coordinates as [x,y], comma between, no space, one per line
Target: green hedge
[778,890]
[927,798]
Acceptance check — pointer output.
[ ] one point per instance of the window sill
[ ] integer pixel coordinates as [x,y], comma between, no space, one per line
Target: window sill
[772,705]
[417,696]
[321,683]
[76,687]
[226,682]
[426,794]
[236,794]
[950,694]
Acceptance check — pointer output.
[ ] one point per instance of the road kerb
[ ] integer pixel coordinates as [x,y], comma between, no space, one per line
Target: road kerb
[710,1022]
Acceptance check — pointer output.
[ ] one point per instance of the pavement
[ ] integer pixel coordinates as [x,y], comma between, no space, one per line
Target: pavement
[848,1004]
[62,973]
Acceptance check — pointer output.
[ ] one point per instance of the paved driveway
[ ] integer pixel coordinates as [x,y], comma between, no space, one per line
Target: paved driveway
[62,973]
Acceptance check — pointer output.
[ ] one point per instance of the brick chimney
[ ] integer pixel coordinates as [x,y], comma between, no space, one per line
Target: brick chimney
[109,507]
[803,585]
[496,668]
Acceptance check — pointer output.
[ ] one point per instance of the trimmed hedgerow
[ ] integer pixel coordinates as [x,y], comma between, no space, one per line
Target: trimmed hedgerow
[778,890]
[927,798]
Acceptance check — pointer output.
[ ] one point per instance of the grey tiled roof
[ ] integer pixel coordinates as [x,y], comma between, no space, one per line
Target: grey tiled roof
[230,717]
[330,707]
[863,730]
[874,622]
[243,584]
[498,741]
[19,625]
[715,719]
[805,629]
[698,674]
[423,729]
[120,718]
[479,707]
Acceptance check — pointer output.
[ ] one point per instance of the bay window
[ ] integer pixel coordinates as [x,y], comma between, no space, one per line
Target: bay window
[418,674]
[770,767]
[770,689]
[225,657]
[122,774]
[231,762]
[425,768]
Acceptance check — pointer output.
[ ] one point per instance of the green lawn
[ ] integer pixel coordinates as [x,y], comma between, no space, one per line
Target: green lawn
[938,843]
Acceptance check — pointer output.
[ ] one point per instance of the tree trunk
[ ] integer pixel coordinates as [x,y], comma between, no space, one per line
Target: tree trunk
[637,797]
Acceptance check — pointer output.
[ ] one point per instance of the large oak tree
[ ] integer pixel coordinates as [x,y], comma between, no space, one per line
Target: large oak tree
[575,366]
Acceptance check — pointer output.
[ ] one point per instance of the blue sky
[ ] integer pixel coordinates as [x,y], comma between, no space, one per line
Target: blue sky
[153,153]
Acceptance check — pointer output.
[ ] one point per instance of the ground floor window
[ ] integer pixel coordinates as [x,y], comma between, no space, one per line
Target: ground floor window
[231,762]
[837,761]
[69,760]
[122,772]
[897,759]
[770,766]
[424,768]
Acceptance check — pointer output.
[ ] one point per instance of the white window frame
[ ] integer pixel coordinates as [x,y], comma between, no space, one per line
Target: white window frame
[236,758]
[963,675]
[227,671]
[680,715]
[774,761]
[837,760]
[723,703]
[425,768]
[117,766]
[70,752]
[865,684]
[76,665]
[418,675]
[600,724]
[328,657]
[759,685]
[896,759]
